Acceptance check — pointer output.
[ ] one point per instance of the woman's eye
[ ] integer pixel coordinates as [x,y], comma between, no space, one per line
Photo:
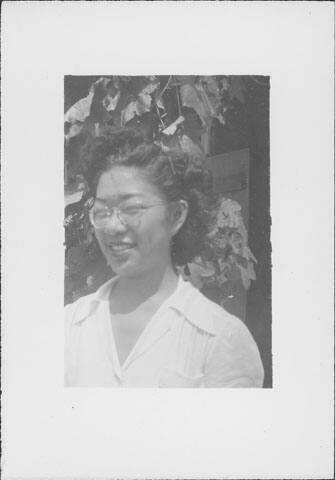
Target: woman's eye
[99,214]
[133,210]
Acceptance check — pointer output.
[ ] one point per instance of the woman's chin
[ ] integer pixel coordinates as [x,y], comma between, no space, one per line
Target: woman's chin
[128,269]
[119,260]
[122,266]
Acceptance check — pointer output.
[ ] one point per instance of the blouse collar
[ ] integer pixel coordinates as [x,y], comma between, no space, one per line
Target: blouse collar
[185,300]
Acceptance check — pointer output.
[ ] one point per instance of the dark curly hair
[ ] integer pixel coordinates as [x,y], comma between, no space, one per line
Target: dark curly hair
[173,172]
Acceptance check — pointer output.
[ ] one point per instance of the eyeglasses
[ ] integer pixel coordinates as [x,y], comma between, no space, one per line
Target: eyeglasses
[128,215]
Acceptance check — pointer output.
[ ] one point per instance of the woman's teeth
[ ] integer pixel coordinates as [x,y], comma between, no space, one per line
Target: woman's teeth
[120,247]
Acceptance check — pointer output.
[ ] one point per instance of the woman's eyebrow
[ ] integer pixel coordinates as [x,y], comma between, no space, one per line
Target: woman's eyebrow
[124,197]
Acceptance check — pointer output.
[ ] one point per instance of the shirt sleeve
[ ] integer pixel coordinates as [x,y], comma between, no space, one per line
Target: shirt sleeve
[234,360]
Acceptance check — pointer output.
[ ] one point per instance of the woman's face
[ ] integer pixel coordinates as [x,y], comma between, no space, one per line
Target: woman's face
[142,243]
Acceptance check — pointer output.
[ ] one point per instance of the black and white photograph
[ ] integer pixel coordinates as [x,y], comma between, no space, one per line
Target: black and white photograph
[167,240]
[164,178]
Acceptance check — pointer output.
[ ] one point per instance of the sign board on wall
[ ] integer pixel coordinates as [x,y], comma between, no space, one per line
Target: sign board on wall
[231,177]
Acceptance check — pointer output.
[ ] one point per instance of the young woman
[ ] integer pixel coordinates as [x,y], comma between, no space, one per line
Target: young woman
[147,327]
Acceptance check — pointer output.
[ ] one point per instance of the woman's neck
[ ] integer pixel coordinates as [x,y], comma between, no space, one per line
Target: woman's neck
[130,292]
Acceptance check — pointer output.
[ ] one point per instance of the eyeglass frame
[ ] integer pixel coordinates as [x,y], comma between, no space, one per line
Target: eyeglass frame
[118,211]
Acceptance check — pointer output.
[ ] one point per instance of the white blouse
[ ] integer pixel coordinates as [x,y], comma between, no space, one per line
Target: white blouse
[189,342]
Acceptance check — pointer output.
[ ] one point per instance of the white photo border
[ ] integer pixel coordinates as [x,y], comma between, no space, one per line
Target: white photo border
[283,432]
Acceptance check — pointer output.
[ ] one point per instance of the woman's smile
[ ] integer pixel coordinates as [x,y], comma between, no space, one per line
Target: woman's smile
[118,248]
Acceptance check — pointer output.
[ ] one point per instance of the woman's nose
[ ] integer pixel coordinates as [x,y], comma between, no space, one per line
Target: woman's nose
[115,222]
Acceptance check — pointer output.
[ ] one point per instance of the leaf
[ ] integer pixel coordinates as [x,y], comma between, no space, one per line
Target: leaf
[210,91]
[91,108]
[80,110]
[138,84]
[143,103]
[211,83]
[169,142]
[247,253]
[73,131]
[159,102]
[172,128]
[199,271]
[221,119]
[137,102]
[182,80]
[73,197]
[236,241]
[151,87]
[205,98]
[212,103]
[139,106]
[192,125]
[241,261]
[228,213]
[247,274]
[251,271]
[190,97]
[191,148]
[245,279]
[110,102]
[223,264]
[221,278]
[128,113]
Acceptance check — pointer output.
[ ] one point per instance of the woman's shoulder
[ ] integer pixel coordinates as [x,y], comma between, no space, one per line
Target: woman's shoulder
[80,308]
[235,359]
[84,306]
[208,315]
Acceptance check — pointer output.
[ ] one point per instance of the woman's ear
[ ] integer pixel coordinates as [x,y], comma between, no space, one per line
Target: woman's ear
[179,215]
